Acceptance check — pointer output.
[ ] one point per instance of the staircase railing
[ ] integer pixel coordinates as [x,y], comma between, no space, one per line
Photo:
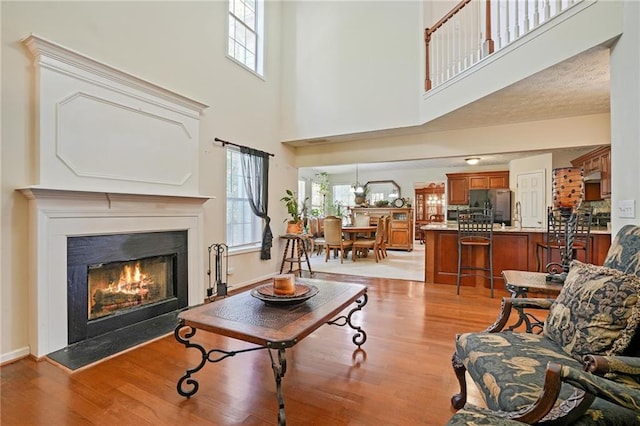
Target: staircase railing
[474,29]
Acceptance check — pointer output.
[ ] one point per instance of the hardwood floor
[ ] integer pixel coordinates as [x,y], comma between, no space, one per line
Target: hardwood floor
[403,376]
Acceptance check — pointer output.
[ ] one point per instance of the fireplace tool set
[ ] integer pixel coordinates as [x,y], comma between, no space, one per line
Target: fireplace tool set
[220,253]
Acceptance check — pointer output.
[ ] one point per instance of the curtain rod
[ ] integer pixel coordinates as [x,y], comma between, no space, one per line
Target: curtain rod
[239,146]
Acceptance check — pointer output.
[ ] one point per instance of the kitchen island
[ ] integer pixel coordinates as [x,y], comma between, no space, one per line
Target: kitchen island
[512,249]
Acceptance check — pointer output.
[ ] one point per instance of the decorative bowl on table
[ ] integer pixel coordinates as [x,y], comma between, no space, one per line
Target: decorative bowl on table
[284,291]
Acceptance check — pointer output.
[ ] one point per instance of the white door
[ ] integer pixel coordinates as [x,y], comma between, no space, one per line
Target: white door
[530,195]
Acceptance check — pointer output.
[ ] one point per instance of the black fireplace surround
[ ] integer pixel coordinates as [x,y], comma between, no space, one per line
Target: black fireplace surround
[83,252]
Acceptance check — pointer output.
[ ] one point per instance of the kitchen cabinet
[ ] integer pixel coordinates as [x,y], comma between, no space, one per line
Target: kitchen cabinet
[458,190]
[605,179]
[512,249]
[400,232]
[598,160]
[429,204]
[459,184]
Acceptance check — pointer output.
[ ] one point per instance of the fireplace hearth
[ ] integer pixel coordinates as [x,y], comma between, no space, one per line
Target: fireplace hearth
[115,281]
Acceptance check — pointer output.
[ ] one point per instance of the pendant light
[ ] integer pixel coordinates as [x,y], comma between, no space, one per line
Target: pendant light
[357,187]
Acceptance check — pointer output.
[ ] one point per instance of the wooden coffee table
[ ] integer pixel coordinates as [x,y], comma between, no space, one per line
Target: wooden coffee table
[270,326]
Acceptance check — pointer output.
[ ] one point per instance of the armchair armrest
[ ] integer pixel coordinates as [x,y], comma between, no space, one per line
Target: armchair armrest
[519,304]
[616,392]
[602,365]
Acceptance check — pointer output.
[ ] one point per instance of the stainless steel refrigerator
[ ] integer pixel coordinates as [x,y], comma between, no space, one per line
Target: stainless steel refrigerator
[498,199]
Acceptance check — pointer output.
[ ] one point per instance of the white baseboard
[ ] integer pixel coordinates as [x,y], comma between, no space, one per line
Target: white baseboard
[14,355]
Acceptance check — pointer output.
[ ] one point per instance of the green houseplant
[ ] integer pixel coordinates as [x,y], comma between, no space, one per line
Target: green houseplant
[294,222]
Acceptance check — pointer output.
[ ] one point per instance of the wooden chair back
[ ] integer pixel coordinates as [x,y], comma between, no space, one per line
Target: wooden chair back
[361,220]
[475,226]
[333,230]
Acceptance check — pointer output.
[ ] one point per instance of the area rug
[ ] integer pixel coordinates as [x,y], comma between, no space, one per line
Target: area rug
[399,264]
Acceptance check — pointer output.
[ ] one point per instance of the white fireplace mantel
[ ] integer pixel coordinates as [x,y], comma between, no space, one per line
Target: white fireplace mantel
[57,214]
[116,154]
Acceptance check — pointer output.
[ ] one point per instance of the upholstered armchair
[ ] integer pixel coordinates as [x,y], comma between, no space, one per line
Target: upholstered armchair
[540,378]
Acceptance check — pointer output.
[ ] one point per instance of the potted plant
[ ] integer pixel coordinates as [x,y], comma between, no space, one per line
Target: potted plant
[361,198]
[294,222]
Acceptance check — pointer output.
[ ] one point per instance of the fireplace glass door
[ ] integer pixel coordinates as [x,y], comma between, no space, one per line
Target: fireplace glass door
[118,286]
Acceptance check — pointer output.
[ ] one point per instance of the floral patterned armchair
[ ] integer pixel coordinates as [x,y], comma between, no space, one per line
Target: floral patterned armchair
[540,378]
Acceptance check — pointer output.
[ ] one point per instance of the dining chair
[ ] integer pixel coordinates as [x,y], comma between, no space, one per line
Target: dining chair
[361,220]
[374,244]
[385,239]
[316,234]
[475,230]
[333,237]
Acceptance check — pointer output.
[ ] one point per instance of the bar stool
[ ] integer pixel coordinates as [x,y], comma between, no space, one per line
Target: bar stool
[475,229]
[560,226]
[298,251]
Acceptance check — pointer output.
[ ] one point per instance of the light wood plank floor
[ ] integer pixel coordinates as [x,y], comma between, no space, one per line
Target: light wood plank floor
[403,377]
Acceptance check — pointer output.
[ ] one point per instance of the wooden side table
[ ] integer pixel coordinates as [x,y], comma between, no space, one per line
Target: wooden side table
[520,283]
[297,249]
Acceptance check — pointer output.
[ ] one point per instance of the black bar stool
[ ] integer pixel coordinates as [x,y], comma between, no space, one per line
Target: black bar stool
[475,229]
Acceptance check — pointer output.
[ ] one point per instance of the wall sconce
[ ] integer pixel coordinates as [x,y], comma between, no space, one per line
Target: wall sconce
[472,161]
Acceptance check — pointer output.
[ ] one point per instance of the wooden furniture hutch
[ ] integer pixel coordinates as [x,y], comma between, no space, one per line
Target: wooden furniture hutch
[459,184]
[400,233]
[429,206]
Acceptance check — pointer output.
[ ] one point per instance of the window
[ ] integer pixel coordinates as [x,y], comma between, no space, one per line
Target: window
[343,194]
[244,42]
[302,191]
[244,229]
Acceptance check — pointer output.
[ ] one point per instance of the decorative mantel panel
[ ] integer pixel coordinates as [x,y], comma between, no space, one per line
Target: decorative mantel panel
[99,127]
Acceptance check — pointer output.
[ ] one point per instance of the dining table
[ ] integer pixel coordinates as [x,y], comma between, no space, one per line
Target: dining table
[351,232]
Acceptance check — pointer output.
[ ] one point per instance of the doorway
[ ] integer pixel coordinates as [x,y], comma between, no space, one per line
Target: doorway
[530,195]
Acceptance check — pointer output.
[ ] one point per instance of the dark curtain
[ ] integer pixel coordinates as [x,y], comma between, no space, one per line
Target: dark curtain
[255,168]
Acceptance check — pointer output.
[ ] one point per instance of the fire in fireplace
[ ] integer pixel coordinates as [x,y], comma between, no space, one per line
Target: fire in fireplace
[123,285]
[118,280]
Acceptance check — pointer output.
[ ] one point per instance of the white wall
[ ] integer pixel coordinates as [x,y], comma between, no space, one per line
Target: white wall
[591,130]
[350,66]
[177,45]
[625,110]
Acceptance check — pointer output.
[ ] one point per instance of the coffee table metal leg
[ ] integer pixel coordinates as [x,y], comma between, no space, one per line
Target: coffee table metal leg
[360,337]
[279,369]
[220,354]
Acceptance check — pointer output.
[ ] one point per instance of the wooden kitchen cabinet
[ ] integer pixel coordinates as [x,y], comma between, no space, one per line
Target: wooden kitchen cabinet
[598,160]
[458,190]
[605,180]
[459,184]
[400,232]
[511,250]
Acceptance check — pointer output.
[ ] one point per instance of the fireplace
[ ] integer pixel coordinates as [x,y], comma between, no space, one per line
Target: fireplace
[118,280]
[90,217]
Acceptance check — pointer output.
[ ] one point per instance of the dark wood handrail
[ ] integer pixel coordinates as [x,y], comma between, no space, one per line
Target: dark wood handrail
[448,16]
[429,31]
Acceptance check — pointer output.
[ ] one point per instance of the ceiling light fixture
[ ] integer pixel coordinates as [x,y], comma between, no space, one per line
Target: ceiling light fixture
[357,187]
[472,161]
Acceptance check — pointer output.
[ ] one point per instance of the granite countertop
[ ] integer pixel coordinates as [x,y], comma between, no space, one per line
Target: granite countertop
[498,228]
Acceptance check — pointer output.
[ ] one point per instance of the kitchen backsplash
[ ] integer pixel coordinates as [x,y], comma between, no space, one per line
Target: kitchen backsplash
[601,206]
